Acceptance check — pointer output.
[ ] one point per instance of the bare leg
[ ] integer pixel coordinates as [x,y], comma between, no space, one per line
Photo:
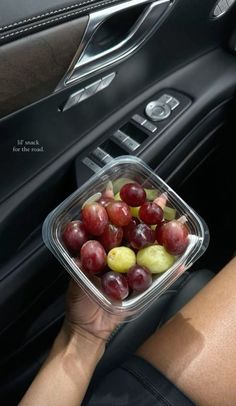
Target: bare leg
[196,349]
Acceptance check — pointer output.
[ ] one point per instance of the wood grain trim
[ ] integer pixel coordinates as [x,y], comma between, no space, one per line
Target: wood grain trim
[30,68]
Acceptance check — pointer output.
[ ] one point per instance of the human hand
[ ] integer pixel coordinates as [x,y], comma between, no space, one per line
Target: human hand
[84,317]
[77,349]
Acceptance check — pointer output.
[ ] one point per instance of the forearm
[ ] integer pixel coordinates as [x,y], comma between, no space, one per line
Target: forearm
[65,376]
[196,348]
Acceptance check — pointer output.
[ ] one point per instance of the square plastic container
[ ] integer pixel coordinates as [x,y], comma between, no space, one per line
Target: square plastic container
[133,169]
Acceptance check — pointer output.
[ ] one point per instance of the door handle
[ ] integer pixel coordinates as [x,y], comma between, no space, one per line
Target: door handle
[97,52]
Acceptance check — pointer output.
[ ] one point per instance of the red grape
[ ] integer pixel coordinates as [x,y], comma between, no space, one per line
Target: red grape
[74,236]
[139,278]
[95,218]
[133,194]
[93,256]
[78,263]
[141,236]
[127,229]
[173,236]
[151,213]
[119,213]
[159,233]
[111,236]
[115,285]
[104,201]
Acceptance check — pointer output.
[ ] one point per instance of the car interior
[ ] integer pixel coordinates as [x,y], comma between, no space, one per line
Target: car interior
[81,84]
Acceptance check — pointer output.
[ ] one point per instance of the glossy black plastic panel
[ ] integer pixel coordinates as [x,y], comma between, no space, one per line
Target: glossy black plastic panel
[183,37]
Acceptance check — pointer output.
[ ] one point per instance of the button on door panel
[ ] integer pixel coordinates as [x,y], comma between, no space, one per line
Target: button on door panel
[139,119]
[138,132]
[102,155]
[73,100]
[106,81]
[90,164]
[120,136]
[149,126]
[173,103]
[165,98]
[157,111]
[88,91]
[131,144]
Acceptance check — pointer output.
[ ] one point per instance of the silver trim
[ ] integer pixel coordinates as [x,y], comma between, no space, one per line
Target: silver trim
[90,164]
[173,103]
[108,158]
[149,126]
[88,91]
[102,155]
[120,136]
[87,61]
[73,100]
[165,98]
[221,8]
[139,119]
[106,81]
[154,116]
[131,144]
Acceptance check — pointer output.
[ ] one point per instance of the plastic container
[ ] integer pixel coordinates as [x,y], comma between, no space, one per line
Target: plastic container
[135,170]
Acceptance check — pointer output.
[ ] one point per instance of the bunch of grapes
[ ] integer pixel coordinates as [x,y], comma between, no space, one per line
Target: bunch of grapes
[126,239]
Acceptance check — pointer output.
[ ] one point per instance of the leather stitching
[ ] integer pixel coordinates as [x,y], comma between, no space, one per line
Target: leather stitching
[49,13]
[56,19]
[147,384]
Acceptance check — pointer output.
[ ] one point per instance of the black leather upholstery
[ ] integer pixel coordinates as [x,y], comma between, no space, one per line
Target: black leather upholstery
[20,369]
[31,8]
[131,335]
[31,16]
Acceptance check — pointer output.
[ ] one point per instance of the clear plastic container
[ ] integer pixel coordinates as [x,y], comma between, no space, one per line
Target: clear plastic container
[133,169]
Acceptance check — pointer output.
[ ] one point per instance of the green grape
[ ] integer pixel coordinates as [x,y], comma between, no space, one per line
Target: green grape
[120,259]
[135,211]
[155,258]
[117,196]
[151,194]
[169,213]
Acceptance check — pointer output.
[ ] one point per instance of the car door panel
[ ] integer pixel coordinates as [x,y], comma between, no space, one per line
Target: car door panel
[220,81]
[186,54]
[34,61]
[18,207]
[130,81]
[36,256]
[31,67]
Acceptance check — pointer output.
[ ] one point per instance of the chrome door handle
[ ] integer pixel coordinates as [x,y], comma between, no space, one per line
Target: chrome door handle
[89,60]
